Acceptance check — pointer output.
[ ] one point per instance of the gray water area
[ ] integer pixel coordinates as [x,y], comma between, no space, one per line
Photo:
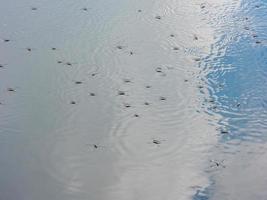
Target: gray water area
[130,100]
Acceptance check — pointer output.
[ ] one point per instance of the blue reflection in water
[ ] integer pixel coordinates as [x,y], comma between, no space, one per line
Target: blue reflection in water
[204,194]
[236,75]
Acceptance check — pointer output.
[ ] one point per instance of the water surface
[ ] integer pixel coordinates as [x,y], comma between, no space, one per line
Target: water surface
[132,100]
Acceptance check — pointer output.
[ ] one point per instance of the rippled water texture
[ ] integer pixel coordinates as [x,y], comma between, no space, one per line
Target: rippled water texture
[129,100]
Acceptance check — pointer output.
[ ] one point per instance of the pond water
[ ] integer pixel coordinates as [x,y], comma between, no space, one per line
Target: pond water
[128,100]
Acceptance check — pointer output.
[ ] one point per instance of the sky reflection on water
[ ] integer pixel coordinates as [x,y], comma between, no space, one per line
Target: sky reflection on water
[236,75]
[133,100]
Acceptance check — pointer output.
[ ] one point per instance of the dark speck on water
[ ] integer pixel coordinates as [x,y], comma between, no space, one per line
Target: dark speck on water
[158,17]
[127,105]
[53,48]
[29,49]
[175,48]
[258,42]
[158,69]
[221,86]
[136,115]
[34,8]
[211,100]
[126,80]
[11,89]
[121,93]
[59,61]
[119,47]
[162,98]
[72,102]
[6,40]
[139,10]
[78,82]
[68,63]
[223,131]
[217,163]
[146,103]
[197,59]
[92,94]
[156,142]
[171,35]
[148,86]
[246,28]
[84,9]
[214,107]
